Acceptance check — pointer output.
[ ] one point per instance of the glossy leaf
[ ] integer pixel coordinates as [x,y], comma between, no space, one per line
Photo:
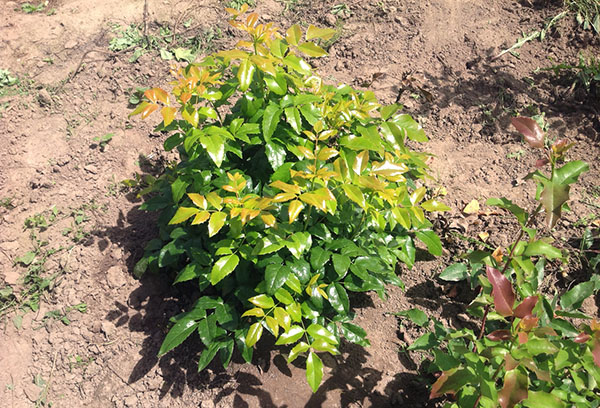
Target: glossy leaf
[354,334]
[215,147]
[293,34]
[314,371]
[416,316]
[262,301]
[553,196]
[338,298]
[514,389]
[182,214]
[525,308]
[223,267]
[573,298]
[294,210]
[319,332]
[270,120]
[531,131]
[178,333]
[254,333]
[449,382]
[312,50]
[355,194]
[292,117]
[208,355]
[245,74]
[541,248]
[290,336]
[296,350]
[217,221]
[455,273]
[317,32]
[341,264]
[430,238]
[539,399]
[283,318]
[275,277]
[502,292]
[499,335]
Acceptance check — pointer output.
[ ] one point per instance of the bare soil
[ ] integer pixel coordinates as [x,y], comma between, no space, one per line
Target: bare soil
[436,57]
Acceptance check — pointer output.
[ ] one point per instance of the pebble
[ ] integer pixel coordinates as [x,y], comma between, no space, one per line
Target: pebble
[115,277]
[90,168]
[71,44]
[131,401]
[107,328]
[44,97]
[330,19]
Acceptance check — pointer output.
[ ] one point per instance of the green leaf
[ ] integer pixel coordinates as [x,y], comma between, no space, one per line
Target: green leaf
[319,332]
[26,259]
[412,129]
[455,273]
[314,371]
[514,389]
[416,316]
[506,204]
[388,110]
[430,238]
[553,196]
[575,297]
[341,264]
[178,189]
[184,54]
[434,205]
[300,243]
[319,257]
[216,222]
[223,267]
[178,333]
[277,84]
[191,271]
[537,399]
[354,334]
[317,32]
[290,336]
[245,74]
[254,333]
[541,248]
[275,154]
[215,147]
[537,346]
[270,120]
[570,172]
[208,355]
[263,301]
[292,116]
[298,348]
[425,342]
[275,277]
[338,298]
[283,295]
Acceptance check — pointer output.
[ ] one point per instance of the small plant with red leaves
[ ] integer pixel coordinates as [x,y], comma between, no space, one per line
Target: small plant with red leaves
[528,351]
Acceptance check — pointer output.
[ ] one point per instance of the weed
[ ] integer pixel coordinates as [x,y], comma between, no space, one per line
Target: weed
[237,4]
[61,315]
[41,220]
[8,203]
[586,74]
[78,361]
[341,10]
[102,141]
[290,5]
[587,13]
[31,8]
[516,155]
[136,96]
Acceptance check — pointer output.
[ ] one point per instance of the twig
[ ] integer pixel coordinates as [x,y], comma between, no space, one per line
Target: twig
[146,21]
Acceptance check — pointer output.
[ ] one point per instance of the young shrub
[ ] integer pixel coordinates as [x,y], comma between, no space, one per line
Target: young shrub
[528,352]
[289,194]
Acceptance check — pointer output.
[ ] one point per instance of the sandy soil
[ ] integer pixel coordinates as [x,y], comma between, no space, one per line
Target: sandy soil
[436,57]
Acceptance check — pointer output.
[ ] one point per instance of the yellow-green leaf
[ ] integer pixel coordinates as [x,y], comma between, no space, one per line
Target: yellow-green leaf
[298,348]
[312,50]
[223,267]
[217,220]
[294,210]
[257,311]
[293,34]
[262,301]
[434,205]
[326,153]
[355,194]
[201,217]
[198,199]
[273,325]
[254,334]
[245,74]
[168,114]
[283,318]
[215,200]
[290,336]
[182,214]
[417,195]
[318,32]
[314,371]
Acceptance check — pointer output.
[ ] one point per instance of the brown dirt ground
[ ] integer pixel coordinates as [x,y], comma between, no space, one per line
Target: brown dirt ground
[107,356]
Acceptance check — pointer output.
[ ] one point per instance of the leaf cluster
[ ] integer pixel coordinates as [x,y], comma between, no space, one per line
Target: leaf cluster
[289,195]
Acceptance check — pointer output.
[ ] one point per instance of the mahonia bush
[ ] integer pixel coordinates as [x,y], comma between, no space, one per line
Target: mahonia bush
[288,195]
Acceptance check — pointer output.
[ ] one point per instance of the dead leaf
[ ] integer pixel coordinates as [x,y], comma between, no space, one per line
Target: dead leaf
[472,207]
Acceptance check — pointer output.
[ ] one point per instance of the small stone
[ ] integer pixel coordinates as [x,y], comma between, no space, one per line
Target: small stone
[96,327]
[107,328]
[401,20]
[131,401]
[11,277]
[44,97]
[90,168]
[115,277]
[71,44]
[207,404]
[330,19]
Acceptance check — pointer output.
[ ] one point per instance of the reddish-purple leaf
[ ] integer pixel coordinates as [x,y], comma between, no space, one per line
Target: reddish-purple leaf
[502,292]
[523,337]
[539,163]
[509,362]
[526,307]
[514,390]
[596,352]
[582,338]
[499,335]
[528,323]
[531,131]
